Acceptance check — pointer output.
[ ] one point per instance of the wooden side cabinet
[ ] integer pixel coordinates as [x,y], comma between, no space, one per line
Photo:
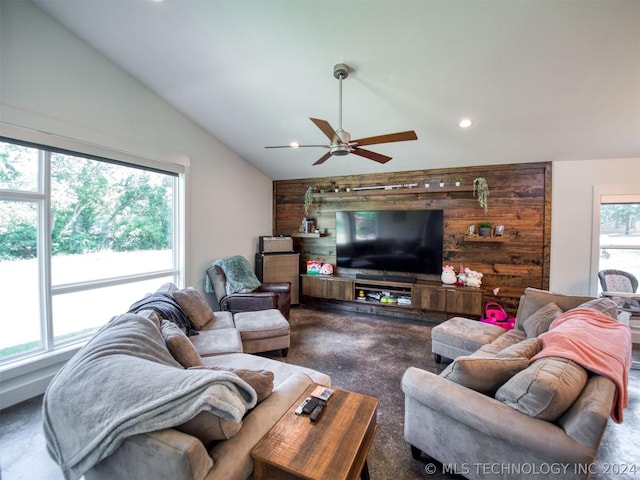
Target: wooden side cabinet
[280,267]
[451,300]
[465,301]
[334,288]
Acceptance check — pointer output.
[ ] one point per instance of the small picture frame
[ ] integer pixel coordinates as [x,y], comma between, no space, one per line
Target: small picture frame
[499,230]
[472,229]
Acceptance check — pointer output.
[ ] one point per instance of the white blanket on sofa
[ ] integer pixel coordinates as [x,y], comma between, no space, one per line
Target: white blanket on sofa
[125,382]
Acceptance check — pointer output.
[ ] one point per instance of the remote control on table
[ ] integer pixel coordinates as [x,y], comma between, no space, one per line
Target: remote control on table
[300,408]
[317,411]
[310,405]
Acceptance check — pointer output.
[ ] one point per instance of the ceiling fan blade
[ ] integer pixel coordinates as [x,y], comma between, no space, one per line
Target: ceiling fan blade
[388,138]
[326,129]
[323,158]
[376,157]
[298,146]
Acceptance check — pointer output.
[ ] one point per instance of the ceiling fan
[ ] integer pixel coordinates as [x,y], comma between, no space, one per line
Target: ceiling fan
[341,143]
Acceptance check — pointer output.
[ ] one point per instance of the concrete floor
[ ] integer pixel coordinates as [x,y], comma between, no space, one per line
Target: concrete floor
[23,454]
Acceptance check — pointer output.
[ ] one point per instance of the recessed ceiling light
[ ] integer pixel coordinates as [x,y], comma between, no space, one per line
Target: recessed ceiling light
[465,123]
[294,145]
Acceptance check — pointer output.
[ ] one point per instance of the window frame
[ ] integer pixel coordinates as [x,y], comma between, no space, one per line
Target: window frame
[177,167]
[600,191]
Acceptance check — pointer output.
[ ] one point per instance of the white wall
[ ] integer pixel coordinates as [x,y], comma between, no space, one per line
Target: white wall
[53,82]
[573,182]
[56,83]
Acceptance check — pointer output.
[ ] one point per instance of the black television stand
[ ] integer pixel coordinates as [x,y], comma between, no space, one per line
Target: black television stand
[386,278]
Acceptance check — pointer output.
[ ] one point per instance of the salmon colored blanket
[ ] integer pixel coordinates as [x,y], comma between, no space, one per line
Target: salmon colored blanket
[596,341]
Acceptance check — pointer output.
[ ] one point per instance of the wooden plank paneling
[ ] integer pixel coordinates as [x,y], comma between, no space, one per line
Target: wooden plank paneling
[519,199]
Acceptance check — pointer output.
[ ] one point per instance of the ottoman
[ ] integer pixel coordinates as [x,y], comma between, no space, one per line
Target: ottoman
[263,331]
[461,336]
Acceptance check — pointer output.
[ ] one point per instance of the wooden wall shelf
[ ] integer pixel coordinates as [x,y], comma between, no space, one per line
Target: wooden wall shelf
[305,235]
[473,238]
[394,191]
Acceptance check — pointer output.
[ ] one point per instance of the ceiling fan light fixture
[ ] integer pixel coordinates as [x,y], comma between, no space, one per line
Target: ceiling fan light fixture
[340,149]
[294,145]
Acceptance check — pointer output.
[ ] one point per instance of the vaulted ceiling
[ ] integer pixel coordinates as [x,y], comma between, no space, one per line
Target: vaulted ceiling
[541,80]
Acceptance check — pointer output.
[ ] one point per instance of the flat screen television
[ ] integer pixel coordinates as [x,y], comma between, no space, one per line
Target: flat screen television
[407,241]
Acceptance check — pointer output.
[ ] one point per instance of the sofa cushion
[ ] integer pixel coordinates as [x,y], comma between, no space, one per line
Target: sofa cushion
[260,380]
[546,389]
[179,345]
[217,342]
[539,321]
[604,305]
[222,320]
[209,428]
[524,349]
[508,338]
[195,306]
[483,374]
[534,298]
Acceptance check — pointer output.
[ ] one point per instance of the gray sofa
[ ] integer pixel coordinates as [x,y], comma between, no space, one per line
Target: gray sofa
[473,429]
[178,452]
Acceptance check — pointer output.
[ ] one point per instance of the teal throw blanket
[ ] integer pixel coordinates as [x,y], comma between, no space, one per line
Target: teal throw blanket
[240,276]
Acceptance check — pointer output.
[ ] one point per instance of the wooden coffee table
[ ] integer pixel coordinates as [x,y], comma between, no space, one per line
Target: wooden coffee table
[333,448]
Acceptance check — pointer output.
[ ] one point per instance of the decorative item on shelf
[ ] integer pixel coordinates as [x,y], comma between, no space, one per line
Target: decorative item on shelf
[472,229]
[426,184]
[462,276]
[474,279]
[308,201]
[347,188]
[458,181]
[326,269]
[442,183]
[334,186]
[499,230]
[313,267]
[448,276]
[309,226]
[481,190]
[484,228]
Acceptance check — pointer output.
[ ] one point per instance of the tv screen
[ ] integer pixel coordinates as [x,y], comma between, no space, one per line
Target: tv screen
[408,241]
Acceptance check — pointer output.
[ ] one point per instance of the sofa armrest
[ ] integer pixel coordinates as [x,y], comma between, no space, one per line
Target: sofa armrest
[242,302]
[165,454]
[278,287]
[490,417]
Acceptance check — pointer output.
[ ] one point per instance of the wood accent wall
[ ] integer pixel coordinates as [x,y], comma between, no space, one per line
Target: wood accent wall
[519,199]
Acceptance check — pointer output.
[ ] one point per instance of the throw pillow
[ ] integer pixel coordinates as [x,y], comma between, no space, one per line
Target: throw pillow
[483,374]
[179,345]
[524,349]
[540,320]
[546,389]
[195,306]
[209,428]
[604,305]
[260,380]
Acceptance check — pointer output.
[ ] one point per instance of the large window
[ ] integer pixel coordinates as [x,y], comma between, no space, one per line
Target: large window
[616,231]
[620,233]
[81,238]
